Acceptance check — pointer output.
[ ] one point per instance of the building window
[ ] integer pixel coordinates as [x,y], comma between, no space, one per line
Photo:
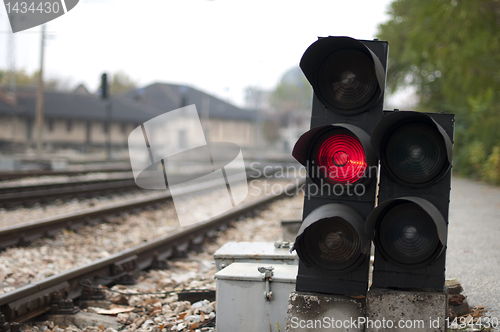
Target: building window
[88,132]
[29,129]
[50,124]
[69,125]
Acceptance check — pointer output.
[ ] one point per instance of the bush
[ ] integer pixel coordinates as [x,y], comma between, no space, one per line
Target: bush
[490,171]
[469,160]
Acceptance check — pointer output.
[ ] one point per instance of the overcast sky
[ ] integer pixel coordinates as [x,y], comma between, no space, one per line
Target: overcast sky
[218,46]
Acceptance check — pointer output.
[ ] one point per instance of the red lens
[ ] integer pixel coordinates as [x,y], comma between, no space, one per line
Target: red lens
[340,159]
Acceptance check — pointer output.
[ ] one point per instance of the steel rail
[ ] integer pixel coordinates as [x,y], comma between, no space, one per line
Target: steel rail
[16,195]
[9,188]
[35,299]
[4,176]
[46,193]
[23,234]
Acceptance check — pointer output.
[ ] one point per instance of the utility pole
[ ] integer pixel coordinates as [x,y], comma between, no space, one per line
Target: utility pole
[109,111]
[11,91]
[108,106]
[205,111]
[258,120]
[39,101]
[11,63]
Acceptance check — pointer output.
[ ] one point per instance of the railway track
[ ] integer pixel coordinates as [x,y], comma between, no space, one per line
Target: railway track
[23,234]
[40,297]
[4,176]
[14,196]
[81,170]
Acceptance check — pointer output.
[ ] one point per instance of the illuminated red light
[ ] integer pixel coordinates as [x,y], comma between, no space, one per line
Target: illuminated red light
[340,159]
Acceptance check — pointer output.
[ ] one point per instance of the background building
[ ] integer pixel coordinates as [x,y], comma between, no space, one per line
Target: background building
[80,120]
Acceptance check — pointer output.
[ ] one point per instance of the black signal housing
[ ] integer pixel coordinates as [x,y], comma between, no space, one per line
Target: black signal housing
[348,80]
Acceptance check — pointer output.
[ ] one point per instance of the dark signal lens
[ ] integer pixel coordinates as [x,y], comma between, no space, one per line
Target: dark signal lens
[415,153]
[332,244]
[408,235]
[347,79]
[339,159]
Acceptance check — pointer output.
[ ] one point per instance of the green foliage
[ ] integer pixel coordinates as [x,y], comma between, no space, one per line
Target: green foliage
[491,169]
[450,51]
[475,161]
[22,78]
[470,161]
[121,83]
[292,95]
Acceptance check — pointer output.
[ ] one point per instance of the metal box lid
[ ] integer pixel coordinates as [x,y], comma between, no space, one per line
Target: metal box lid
[253,251]
[249,272]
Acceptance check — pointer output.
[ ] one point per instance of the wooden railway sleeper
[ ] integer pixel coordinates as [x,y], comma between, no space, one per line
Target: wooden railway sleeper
[6,327]
[90,292]
[33,305]
[61,306]
[126,271]
[159,263]
[197,243]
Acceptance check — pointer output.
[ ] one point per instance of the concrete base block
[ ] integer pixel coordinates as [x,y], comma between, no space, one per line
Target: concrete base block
[321,312]
[390,310]
[83,319]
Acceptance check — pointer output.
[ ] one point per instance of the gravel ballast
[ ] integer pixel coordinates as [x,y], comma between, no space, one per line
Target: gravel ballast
[165,313]
[69,249]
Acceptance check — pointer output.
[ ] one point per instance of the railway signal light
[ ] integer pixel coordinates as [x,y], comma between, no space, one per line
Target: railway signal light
[348,80]
[409,226]
[104,86]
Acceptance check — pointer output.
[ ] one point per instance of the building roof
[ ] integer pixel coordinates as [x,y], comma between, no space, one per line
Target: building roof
[167,97]
[134,106]
[81,89]
[70,105]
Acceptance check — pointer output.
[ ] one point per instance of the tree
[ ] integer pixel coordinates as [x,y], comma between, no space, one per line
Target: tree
[121,83]
[293,93]
[23,79]
[449,50]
